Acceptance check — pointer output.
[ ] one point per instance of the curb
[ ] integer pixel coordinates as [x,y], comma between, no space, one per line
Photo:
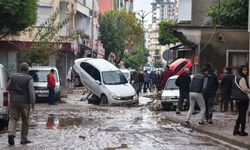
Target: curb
[218,136]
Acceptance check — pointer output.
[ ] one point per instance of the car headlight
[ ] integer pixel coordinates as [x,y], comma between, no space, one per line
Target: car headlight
[115,96]
[135,97]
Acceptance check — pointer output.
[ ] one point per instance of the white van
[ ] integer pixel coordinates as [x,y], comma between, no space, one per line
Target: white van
[4,98]
[106,81]
[39,75]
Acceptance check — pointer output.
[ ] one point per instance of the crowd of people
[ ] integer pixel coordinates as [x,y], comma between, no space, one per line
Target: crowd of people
[202,90]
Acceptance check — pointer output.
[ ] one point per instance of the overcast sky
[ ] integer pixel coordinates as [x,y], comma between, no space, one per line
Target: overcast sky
[144,5]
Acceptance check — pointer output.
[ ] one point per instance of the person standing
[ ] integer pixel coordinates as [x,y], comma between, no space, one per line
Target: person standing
[51,86]
[209,92]
[141,80]
[135,81]
[226,88]
[197,85]
[22,97]
[240,93]
[146,85]
[164,76]
[183,82]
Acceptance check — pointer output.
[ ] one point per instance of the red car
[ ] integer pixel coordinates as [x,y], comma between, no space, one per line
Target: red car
[180,64]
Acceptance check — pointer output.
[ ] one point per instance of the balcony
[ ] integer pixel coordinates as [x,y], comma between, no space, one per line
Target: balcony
[82,9]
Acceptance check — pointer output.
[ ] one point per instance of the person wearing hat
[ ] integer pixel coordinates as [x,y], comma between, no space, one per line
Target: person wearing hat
[22,98]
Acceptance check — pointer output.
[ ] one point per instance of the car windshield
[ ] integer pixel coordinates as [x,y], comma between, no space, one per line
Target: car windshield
[113,77]
[41,75]
[170,85]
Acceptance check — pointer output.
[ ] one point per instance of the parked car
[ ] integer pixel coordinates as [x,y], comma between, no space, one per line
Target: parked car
[180,64]
[4,98]
[170,95]
[39,75]
[105,81]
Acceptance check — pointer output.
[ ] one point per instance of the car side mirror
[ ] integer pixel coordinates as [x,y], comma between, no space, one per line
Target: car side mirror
[98,82]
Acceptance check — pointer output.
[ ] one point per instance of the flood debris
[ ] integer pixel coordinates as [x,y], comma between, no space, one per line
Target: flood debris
[114,148]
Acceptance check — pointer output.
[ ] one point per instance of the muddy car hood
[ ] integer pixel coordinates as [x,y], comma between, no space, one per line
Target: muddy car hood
[123,90]
[170,93]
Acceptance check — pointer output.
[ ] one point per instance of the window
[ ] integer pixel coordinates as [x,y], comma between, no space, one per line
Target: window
[179,67]
[41,75]
[170,85]
[43,13]
[92,71]
[114,77]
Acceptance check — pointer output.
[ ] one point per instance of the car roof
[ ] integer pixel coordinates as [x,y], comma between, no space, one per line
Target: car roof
[42,68]
[100,64]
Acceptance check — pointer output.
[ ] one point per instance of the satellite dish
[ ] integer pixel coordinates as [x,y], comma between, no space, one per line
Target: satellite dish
[167,55]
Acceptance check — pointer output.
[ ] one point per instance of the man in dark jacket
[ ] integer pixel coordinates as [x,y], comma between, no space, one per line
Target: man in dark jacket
[22,96]
[226,88]
[183,82]
[209,92]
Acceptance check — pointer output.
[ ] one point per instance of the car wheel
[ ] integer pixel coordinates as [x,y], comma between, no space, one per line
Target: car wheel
[104,100]
[94,100]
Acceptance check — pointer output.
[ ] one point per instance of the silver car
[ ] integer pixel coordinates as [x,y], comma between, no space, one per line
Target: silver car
[39,75]
[105,81]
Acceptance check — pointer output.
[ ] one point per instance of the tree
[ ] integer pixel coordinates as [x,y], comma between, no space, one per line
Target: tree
[119,31]
[16,15]
[136,58]
[45,42]
[157,59]
[230,13]
[164,36]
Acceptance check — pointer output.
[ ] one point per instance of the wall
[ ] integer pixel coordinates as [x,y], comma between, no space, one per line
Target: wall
[215,50]
[105,5]
[199,12]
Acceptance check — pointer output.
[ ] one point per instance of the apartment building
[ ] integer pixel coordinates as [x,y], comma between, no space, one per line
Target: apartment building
[161,10]
[107,5]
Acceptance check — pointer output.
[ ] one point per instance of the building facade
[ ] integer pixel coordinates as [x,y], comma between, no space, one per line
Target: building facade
[161,10]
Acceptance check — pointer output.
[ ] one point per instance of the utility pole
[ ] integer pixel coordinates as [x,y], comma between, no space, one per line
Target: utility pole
[219,17]
[92,30]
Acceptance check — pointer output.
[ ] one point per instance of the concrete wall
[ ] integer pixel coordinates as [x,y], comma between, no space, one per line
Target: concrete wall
[214,49]
[199,12]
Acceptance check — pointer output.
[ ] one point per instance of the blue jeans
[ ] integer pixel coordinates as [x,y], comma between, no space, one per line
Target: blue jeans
[52,96]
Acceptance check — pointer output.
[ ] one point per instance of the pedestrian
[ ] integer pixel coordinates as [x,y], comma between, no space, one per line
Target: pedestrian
[226,88]
[183,82]
[141,80]
[135,81]
[22,97]
[209,92]
[197,85]
[71,79]
[146,85]
[240,92]
[164,76]
[51,86]
[220,77]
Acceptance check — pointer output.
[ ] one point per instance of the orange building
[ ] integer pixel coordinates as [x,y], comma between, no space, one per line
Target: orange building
[105,5]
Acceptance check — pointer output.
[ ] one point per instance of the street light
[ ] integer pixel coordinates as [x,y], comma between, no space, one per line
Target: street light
[142,16]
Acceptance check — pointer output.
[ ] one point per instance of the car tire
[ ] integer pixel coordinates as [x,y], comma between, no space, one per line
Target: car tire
[104,100]
[94,99]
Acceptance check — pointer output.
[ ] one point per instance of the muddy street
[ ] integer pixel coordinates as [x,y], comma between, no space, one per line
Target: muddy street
[78,125]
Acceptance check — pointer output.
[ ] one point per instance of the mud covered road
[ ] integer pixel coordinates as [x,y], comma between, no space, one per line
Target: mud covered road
[78,125]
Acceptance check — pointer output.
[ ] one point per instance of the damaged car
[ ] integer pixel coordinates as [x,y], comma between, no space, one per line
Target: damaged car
[105,81]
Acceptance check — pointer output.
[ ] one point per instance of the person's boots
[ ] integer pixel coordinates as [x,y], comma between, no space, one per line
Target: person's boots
[236,132]
[11,140]
[243,133]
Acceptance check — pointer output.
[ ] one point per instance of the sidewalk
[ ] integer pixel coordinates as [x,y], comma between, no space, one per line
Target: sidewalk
[222,127]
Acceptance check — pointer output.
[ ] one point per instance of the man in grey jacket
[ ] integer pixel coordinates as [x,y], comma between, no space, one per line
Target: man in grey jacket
[22,97]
